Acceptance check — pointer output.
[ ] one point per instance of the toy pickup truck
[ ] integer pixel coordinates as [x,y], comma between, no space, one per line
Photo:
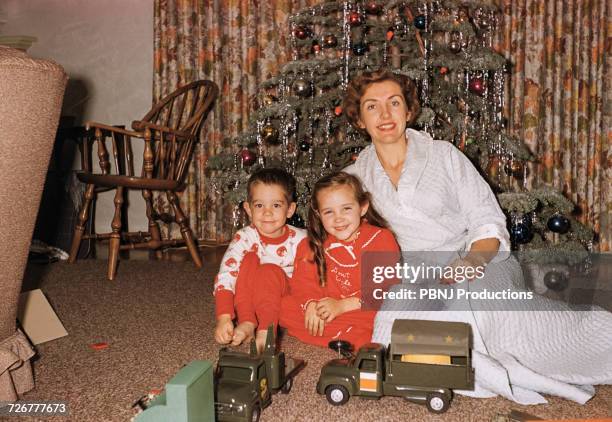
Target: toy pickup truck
[426,359]
[244,383]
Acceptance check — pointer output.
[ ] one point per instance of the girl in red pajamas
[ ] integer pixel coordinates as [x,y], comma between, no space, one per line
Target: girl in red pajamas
[325,299]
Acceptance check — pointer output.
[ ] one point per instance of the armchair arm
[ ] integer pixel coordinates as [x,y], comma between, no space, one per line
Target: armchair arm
[141,125]
[95,125]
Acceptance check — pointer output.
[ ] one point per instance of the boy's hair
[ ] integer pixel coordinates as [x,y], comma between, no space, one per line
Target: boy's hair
[358,85]
[273,176]
[316,232]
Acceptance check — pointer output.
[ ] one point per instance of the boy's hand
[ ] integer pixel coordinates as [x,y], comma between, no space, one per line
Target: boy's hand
[312,322]
[224,331]
[328,309]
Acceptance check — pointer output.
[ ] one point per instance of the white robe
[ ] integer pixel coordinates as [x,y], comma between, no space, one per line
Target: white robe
[442,204]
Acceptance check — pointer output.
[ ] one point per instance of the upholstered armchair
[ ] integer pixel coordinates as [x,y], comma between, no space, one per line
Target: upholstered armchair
[31,93]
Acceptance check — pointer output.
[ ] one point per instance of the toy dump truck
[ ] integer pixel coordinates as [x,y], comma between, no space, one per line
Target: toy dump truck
[425,361]
[244,383]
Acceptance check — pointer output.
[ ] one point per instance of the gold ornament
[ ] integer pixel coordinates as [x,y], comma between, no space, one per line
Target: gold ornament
[269,134]
[269,99]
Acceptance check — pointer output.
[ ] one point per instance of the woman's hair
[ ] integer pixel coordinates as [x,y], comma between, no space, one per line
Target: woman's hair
[316,231]
[357,87]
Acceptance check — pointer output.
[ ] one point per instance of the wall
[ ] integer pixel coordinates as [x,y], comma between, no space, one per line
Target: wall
[106,48]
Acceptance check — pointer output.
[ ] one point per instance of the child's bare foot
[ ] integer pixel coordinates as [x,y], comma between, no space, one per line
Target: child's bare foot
[260,340]
[243,332]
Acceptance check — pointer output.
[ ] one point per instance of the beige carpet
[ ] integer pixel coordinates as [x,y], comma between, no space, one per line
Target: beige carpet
[158,316]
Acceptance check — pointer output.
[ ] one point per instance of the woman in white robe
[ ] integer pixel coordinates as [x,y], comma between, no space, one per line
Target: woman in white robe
[436,202]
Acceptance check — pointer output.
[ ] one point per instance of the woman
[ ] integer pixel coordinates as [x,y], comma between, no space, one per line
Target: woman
[435,200]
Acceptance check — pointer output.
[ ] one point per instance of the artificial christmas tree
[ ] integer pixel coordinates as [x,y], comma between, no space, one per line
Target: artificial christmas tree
[445,46]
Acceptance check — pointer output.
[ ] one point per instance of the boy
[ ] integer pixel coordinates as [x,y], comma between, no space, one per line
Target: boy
[254,270]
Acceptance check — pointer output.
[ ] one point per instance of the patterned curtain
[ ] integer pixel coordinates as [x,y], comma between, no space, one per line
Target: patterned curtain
[559,99]
[235,43]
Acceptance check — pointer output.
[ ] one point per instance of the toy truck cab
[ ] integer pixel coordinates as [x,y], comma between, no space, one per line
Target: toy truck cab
[245,382]
[425,361]
[241,385]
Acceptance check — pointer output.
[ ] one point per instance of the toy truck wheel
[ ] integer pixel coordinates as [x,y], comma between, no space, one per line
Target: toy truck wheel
[286,388]
[336,394]
[255,414]
[437,403]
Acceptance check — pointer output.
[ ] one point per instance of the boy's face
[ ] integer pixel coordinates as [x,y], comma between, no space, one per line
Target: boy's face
[268,209]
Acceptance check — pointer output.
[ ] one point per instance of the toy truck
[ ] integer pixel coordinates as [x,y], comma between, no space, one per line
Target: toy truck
[245,382]
[425,361]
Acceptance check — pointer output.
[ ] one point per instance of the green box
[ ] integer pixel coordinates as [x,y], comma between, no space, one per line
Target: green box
[188,397]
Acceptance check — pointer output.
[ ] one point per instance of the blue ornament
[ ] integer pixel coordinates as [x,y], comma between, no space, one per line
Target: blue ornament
[360,49]
[558,224]
[556,280]
[420,22]
[520,233]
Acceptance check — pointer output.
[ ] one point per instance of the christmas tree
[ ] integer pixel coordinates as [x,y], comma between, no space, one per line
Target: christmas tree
[445,46]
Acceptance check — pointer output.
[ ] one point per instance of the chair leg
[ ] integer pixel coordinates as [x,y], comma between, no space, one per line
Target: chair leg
[185,229]
[80,227]
[153,226]
[115,237]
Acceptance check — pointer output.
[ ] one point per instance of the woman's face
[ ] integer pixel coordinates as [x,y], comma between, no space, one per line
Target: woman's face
[383,113]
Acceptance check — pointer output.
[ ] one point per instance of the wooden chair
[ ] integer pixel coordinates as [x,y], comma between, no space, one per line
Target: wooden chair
[169,132]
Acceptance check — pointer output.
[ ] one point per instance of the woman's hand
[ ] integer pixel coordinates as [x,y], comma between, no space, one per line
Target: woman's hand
[224,331]
[465,269]
[312,322]
[473,265]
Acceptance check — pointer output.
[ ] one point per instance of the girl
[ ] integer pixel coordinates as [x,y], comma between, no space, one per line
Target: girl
[327,300]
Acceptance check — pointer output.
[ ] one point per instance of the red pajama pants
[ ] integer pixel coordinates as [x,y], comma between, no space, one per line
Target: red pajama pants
[259,288]
[354,326]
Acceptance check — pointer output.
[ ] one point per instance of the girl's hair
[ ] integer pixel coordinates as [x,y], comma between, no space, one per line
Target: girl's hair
[316,232]
[357,87]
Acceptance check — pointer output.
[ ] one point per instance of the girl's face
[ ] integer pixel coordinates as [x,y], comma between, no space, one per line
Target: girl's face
[340,212]
[383,113]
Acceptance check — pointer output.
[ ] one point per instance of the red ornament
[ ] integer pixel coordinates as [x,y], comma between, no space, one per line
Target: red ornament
[354,157]
[316,47]
[300,32]
[248,157]
[477,86]
[443,70]
[354,18]
[338,111]
[390,35]
[372,7]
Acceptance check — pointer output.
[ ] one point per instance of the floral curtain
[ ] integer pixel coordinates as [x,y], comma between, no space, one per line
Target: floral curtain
[235,43]
[559,99]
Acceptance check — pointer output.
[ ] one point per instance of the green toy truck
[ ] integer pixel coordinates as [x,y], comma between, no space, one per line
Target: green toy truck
[425,361]
[244,383]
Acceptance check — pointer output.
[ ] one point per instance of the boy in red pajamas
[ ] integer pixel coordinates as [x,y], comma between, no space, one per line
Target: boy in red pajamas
[254,268]
[325,299]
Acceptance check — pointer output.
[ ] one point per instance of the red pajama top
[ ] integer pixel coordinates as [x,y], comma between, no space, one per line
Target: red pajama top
[344,261]
[280,251]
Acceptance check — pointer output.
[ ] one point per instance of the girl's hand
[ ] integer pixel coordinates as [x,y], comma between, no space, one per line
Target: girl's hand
[312,322]
[224,331]
[328,309]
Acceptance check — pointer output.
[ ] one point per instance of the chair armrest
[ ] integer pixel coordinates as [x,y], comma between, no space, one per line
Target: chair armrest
[95,125]
[141,125]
